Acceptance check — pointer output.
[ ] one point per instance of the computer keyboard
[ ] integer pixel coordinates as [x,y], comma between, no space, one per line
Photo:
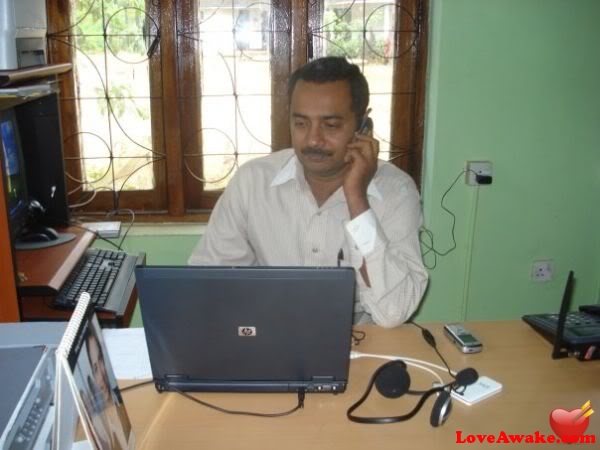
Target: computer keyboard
[580,327]
[100,273]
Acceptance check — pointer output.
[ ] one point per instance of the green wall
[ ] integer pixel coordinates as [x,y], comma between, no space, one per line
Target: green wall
[514,82]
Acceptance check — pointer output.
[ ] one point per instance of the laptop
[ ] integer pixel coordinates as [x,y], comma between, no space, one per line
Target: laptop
[247,329]
[574,333]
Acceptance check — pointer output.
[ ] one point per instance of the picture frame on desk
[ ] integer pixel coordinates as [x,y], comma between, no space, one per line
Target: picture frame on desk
[85,382]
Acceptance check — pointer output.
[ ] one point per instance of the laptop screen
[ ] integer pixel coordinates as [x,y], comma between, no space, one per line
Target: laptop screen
[247,328]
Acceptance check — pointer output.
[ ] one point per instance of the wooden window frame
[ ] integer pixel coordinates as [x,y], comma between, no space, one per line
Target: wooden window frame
[171,70]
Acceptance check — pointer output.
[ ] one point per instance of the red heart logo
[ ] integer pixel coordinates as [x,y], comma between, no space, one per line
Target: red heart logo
[562,423]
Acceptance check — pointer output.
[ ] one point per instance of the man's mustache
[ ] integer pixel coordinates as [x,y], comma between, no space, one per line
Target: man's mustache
[314,151]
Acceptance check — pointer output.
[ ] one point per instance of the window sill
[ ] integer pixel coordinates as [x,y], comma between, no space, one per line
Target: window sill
[164,229]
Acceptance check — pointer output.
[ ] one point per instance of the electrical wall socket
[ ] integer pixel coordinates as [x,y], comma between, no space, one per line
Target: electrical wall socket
[541,270]
[475,168]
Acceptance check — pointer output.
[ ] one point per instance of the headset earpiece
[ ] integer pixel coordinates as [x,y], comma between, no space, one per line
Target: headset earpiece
[392,379]
[441,409]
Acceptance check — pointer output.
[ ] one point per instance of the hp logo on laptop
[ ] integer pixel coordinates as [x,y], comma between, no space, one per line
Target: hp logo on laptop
[247,331]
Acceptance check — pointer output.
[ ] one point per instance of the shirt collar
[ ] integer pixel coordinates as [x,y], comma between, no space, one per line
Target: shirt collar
[289,172]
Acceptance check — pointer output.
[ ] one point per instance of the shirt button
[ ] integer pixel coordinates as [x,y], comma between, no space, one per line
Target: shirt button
[315,250]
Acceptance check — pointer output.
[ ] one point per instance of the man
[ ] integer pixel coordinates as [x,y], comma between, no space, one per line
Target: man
[327,201]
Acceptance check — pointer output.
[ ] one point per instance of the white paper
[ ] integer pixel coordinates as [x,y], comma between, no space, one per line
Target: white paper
[128,353]
[483,388]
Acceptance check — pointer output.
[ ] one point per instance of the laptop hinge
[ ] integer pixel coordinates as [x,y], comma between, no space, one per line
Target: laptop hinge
[167,381]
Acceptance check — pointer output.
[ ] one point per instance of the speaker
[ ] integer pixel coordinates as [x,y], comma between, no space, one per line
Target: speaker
[41,140]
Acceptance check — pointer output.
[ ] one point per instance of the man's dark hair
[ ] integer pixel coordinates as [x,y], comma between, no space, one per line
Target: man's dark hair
[335,68]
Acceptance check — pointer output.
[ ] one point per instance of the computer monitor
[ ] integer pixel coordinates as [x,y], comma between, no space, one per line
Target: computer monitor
[17,200]
[25,232]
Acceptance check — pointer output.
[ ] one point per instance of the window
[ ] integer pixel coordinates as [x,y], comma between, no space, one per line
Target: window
[167,98]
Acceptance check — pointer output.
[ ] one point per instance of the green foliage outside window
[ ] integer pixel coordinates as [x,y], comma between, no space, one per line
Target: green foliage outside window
[346,37]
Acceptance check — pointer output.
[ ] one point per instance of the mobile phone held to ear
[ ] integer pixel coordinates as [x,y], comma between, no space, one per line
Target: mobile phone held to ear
[366,125]
[462,338]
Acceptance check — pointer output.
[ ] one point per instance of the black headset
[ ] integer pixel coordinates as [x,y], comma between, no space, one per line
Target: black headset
[392,380]
[36,210]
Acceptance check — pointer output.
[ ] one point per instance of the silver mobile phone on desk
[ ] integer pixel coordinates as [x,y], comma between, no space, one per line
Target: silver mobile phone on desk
[462,338]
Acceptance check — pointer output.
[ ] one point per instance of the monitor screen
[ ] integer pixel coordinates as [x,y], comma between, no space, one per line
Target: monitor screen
[14,172]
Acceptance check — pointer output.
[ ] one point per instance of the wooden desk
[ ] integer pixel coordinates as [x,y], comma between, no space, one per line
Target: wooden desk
[514,355]
[43,272]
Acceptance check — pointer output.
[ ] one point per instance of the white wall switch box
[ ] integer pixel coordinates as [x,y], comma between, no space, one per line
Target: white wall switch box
[478,173]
